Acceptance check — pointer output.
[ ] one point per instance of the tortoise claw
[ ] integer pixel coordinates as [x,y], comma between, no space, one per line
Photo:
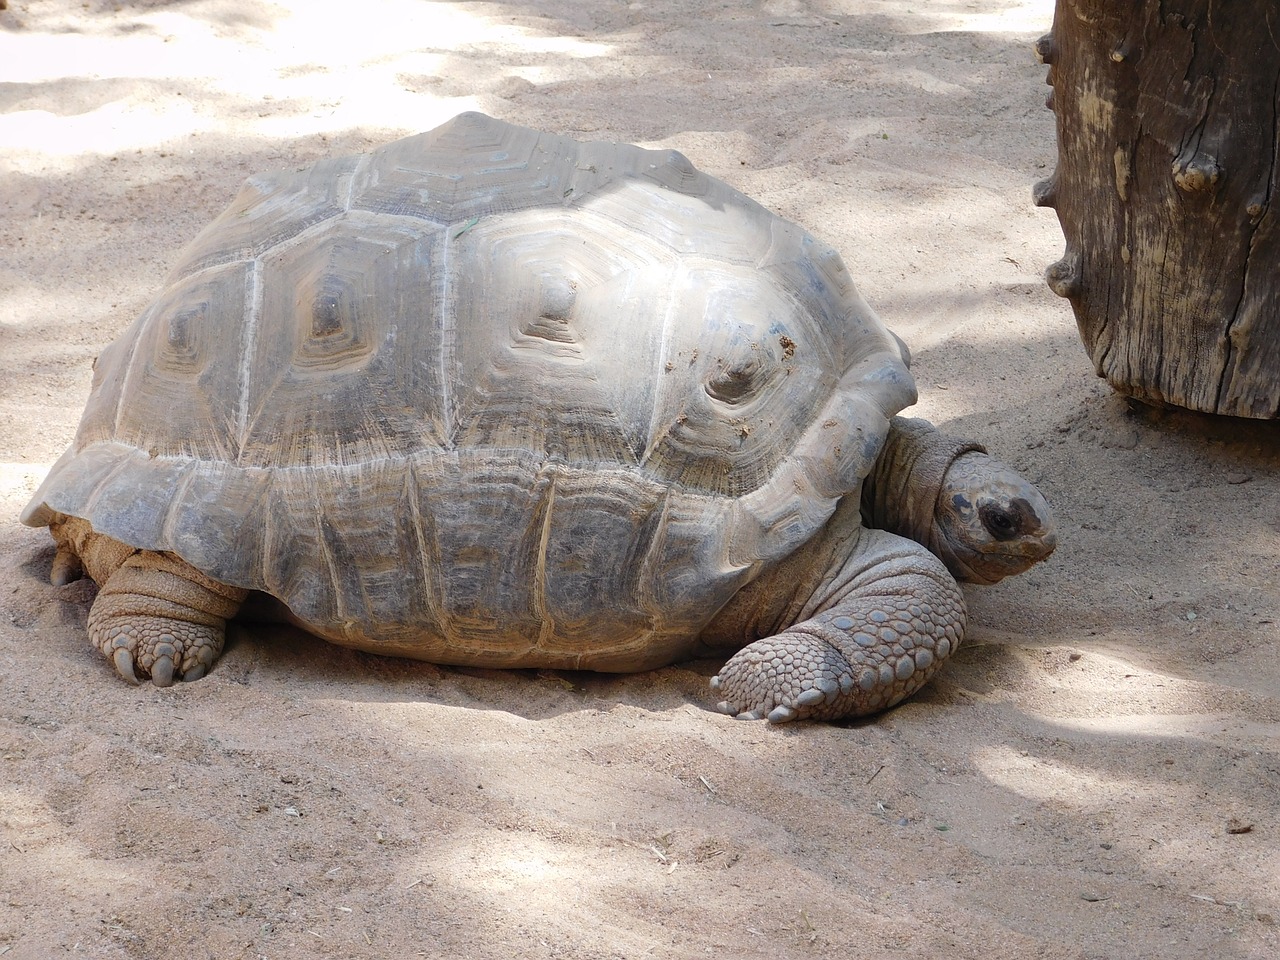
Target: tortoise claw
[809,698]
[781,714]
[66,567]
[162,671]
[123,660]
[724,706]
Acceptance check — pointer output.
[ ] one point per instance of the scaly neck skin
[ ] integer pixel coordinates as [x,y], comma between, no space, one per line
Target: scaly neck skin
[791,591]
[901,493]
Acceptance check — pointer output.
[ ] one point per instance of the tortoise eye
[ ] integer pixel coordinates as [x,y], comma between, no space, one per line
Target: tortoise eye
[999,523]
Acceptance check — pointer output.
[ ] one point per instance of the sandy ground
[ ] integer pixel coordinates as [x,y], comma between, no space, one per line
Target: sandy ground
[1095,776]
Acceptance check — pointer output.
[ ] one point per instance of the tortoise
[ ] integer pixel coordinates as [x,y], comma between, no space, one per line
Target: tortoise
[489,396]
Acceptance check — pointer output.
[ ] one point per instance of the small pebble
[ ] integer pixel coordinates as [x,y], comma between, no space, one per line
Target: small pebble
[1122,439]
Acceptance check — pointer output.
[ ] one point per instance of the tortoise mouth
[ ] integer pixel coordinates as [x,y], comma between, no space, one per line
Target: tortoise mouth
[994,564]
[1031,548]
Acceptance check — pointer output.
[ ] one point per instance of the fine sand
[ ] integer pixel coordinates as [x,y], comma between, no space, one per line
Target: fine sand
[1095,775]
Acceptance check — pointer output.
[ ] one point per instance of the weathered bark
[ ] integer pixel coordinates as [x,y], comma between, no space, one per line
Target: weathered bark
[1167,146]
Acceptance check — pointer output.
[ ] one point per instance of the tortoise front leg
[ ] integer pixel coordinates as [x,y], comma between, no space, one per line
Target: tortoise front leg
[155,614]
[883,626]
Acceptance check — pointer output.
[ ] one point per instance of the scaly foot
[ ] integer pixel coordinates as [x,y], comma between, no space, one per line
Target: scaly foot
[834,666]
[160,618]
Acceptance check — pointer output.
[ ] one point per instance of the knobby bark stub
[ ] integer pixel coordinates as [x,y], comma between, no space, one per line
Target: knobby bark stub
[1167,143]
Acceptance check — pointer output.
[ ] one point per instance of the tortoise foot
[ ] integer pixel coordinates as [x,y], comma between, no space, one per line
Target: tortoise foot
[791,676]
[161,648]
[827,668]
[895,615]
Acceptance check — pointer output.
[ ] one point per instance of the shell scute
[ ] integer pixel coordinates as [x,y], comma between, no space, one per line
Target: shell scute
[344,363]
[470,167]
[733,404]
[177,380]
[268,210]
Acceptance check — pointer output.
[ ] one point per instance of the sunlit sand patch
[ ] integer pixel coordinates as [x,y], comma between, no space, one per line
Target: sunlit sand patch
[1212,727]
[1046,779]
[1027,16]
[18,481]
[303,68]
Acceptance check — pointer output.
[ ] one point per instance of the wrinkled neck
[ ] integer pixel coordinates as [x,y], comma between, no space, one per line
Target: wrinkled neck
[901,493]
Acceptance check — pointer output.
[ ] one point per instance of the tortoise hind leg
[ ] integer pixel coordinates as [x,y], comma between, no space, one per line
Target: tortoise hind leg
[160,616]
[155,614]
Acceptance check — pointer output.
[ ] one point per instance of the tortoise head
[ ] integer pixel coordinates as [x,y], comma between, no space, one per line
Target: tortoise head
[991,521]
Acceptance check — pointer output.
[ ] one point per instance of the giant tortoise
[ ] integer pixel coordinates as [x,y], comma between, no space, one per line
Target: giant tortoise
[491,396]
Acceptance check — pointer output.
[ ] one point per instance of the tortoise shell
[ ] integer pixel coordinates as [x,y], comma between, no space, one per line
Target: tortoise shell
[489,395]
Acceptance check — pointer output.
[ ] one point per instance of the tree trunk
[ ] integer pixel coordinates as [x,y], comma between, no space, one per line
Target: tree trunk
[1167,147]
